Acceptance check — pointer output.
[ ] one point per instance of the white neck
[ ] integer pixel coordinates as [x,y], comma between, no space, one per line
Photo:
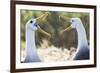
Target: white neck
[30,40]
[82,39]
[31,52]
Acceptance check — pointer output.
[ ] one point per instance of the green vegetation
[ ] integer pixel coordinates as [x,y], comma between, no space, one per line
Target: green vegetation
[53,24]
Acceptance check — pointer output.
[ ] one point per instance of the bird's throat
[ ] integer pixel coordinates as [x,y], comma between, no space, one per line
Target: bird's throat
[30,41]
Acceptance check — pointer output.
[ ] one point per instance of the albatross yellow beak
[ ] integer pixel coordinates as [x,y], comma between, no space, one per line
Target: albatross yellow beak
[44,32]
[42,17]
[66,29]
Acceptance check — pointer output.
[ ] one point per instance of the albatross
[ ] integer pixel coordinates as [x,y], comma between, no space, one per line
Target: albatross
[31,27]
[82,51]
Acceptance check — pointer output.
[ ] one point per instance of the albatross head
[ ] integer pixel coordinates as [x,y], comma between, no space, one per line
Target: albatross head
[33,24]
[75,23]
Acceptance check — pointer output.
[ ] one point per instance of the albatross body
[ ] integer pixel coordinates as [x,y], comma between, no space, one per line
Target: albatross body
[31,52]
[31,28]
[82,52]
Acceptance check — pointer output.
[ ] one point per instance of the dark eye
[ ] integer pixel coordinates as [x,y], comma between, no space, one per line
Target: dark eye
[31,21]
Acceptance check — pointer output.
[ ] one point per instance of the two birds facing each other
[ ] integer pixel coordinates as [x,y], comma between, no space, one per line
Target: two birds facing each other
[82,52]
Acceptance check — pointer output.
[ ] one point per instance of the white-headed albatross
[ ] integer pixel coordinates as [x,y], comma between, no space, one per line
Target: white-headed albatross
[82,52]
[31,27]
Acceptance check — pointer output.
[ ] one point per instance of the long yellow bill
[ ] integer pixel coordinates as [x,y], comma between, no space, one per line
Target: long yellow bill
[42,17]
[67,29]
[44,32]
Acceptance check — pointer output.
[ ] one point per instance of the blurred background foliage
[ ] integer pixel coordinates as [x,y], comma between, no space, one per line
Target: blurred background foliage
[53,24]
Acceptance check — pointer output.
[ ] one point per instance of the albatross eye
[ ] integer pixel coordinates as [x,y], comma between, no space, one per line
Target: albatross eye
[31,21]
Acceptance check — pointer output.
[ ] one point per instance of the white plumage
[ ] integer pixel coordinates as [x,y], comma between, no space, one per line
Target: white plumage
[82,52]
[31,27]
[31,53]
